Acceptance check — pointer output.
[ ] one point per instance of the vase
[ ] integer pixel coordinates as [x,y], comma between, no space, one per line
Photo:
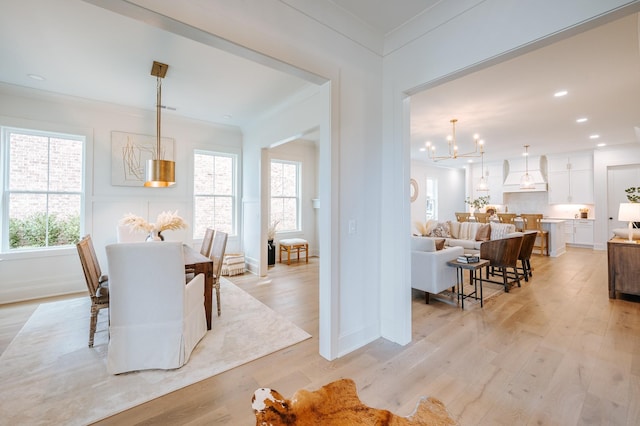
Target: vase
[271,253]
[155,236]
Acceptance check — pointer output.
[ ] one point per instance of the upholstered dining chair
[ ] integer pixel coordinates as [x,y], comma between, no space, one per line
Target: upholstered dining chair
[97,283]
[528,241]
[126,235]
[207,241]
[156,320]
[502,255]
[532,222]
[217,255]
[205,250]
[462,217]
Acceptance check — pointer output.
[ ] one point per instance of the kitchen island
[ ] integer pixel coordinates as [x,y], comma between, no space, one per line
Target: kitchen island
[555,228]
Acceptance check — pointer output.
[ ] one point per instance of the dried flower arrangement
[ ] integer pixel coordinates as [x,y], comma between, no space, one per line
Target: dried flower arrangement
[165,221]
[271,231]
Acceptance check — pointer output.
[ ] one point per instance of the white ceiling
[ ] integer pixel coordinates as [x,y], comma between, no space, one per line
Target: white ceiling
[89,52]
[512,104]
[86,51]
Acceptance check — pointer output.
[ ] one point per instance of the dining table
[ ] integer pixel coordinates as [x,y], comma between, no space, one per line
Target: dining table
[198,263]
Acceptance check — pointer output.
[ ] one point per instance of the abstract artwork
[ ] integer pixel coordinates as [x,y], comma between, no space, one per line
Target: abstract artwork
[129,155]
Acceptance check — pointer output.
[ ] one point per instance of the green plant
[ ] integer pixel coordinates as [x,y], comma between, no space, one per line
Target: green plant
[37,229]
[479,202]
[633,194]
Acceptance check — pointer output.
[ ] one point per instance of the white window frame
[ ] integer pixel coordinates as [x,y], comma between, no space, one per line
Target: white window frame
[234,190]
[36,130]
[297,197]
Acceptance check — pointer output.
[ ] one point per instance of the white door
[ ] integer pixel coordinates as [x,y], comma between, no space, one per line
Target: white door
[619,178]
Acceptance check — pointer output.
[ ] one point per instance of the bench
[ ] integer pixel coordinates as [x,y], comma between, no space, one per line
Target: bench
[294,244]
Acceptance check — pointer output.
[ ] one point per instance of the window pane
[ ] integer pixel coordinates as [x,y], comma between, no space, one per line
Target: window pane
[289,180]
[276,179]
[64,219]
[28,162]
[204,208]
[223,176]
[27,220]
[203,175]
[65,160]
[290,215]
[223,217]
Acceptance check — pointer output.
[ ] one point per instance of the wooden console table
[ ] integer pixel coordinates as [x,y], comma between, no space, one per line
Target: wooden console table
[624,267]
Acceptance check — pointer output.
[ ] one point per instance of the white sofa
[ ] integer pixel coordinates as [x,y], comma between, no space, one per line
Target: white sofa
[429,270]
[463,234]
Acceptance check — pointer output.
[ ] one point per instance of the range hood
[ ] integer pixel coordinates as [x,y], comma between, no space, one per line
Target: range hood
[513,170]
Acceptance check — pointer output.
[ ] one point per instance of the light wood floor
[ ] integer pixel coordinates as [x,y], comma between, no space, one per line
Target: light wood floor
[555,352]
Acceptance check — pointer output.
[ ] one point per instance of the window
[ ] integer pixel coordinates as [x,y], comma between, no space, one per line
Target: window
[43,189]
[285,195]
[214,183]
[431,193]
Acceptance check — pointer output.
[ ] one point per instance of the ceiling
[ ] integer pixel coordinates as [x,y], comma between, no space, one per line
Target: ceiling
[86,51]
[512,103]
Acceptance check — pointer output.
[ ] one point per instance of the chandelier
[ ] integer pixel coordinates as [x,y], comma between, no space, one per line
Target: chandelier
[453,146]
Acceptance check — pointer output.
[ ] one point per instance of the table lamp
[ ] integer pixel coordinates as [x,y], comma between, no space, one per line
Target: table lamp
[629,212]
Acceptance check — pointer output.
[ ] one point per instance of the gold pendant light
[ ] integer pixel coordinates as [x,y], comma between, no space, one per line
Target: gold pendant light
[160,173]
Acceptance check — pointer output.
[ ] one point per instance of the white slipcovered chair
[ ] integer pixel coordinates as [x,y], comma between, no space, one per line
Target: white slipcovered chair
[156,320]
[429,270]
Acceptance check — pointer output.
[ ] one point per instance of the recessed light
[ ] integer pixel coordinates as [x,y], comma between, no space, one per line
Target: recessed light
[36,77]
[560,93]
[600,145]
[227,116]
[594,136]
[423,149]
[582,120]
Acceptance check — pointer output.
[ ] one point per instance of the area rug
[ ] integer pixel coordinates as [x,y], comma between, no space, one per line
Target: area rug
[50,376]
[337,404]
[489,292]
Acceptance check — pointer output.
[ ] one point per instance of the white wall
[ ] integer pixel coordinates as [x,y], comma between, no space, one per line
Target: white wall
[451,190]
[60,271]
[603,159]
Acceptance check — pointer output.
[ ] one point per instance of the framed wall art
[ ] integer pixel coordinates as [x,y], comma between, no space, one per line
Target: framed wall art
[129,155]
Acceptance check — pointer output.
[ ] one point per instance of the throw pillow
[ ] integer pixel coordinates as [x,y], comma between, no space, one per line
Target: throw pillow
[429,226]
[441,230]
[500,230]
[454,229]
[439,243]
[484,232]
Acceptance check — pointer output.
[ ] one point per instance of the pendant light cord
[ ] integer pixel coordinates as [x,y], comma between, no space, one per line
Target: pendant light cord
[158,103]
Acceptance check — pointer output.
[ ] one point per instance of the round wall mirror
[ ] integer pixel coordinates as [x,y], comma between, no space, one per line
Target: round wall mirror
[413,191]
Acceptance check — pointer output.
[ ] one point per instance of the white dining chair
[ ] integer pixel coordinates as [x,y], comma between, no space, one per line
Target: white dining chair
[156,320]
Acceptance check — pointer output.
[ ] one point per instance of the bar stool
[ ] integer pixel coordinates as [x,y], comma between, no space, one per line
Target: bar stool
[532,222]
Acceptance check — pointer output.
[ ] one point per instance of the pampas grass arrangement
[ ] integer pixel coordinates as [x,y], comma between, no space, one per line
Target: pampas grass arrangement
[165,221]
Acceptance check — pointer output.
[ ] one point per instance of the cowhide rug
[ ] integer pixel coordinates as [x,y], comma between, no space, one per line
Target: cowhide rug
[338,404]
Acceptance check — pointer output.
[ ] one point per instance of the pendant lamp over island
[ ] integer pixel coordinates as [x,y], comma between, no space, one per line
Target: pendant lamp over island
[160,173]
[526,182]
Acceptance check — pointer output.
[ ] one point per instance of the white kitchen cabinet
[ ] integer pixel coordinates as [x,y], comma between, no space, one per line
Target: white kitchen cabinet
[578,231]
[571,179]
[583,232]
[568,231]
